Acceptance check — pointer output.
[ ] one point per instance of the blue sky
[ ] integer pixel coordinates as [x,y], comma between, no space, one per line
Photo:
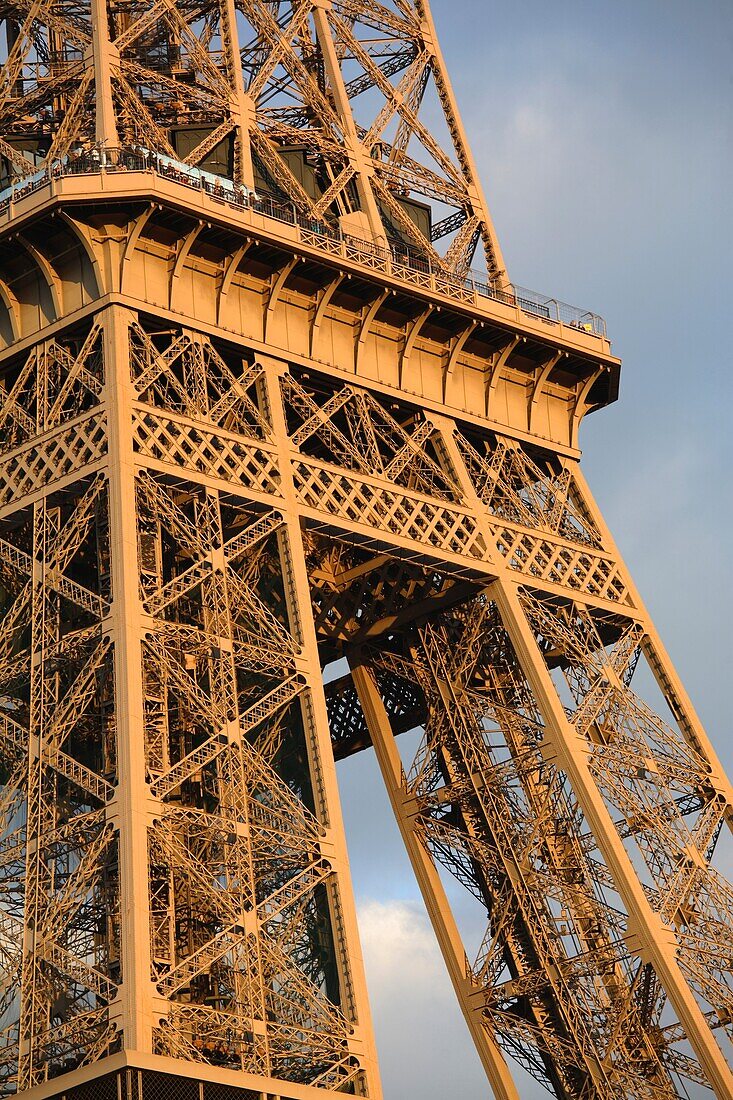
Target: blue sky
[604,140]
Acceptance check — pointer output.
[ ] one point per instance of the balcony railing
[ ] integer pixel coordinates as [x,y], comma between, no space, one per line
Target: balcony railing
[398,260]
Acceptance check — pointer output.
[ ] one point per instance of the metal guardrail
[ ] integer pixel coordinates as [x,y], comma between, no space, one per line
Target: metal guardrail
[398,260]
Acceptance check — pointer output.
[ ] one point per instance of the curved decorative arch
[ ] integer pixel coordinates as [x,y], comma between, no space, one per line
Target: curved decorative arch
[581,405]
[543,374]
[227,279]
[86,244]
[7,297]
[139,224]
[183,253]
[51,278]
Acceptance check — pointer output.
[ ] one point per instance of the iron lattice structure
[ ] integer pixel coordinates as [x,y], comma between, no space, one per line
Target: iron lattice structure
[259,417]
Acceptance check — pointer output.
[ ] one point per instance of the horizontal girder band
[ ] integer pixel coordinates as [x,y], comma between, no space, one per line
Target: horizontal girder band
[143,1084]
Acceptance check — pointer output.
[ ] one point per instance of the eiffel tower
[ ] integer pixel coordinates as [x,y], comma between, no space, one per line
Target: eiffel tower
[260,417]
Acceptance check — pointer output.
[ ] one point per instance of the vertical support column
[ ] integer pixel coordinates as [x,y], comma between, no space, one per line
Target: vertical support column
[129,808]
[242,106]
[357,155]
[654,940]
[495,259]
[441,917]
[34,1007]
[101,64]
[333,845]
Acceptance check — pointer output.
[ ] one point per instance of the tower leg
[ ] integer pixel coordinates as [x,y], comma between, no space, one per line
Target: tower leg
[130,809]
[238,922]
[334,840]
[581,821]
[467,990]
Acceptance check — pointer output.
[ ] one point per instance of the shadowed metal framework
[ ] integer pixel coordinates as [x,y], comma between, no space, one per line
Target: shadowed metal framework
[259,417]
[343,109]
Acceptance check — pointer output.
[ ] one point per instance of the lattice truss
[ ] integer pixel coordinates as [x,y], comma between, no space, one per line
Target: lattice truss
[409,528]
[243,907]
[241,931]
[385,467]
[60,888]
[559,987]
[59,863]
[336,108]
[557,978]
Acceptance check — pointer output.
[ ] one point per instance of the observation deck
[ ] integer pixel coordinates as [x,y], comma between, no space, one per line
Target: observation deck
[523,360]
[397,260]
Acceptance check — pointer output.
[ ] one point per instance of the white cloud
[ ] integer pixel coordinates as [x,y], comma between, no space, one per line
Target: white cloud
[398,942]
[423,1043]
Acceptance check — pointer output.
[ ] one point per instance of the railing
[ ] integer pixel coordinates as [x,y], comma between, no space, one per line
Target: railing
[398,260]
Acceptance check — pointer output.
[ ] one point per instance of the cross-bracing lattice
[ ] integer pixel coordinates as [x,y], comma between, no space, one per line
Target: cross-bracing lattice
[242,440]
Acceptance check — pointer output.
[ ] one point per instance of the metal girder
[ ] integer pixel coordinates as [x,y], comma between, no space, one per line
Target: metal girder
[196,520]
[253,88]
[174,594]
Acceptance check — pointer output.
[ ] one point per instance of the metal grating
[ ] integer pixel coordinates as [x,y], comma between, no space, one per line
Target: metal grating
[101,1088]
[164,1086]
[227,1092]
